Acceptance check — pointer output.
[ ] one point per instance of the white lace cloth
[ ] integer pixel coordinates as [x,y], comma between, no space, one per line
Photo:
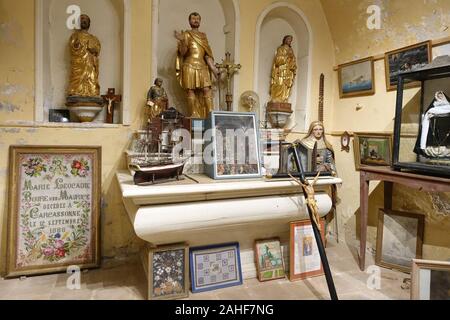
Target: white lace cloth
[441,107]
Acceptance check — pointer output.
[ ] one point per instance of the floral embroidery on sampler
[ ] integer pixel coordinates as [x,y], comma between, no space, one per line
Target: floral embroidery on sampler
[55,213]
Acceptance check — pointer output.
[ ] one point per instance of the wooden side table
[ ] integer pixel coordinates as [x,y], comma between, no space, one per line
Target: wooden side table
[389,177]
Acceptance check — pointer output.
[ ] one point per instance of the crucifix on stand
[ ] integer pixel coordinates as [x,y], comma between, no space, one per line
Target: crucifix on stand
[229,68]
[111,99]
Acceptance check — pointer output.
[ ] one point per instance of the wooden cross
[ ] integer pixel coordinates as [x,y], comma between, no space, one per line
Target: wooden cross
[111,99]
[230,68]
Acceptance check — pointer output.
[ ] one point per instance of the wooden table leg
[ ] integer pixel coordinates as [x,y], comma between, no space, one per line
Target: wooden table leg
[364,210]
[388,189]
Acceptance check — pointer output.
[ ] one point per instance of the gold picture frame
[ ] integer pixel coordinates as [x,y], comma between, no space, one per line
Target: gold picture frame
[430,280]
[357,78]
[401,60]
[166,263]
[399,233]
[372,149]
[53,209]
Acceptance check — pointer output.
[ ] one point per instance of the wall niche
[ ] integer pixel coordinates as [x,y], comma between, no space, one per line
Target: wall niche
[109,23]
[220,20]
[275,22]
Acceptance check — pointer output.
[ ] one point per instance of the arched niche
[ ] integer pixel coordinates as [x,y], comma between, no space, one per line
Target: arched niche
[220,20]
[273,24]
[109,23]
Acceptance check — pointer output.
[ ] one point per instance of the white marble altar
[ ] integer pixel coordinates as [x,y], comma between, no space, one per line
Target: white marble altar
[211,212]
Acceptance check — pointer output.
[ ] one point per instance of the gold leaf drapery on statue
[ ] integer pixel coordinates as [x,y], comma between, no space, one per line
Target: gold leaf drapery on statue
[85,49]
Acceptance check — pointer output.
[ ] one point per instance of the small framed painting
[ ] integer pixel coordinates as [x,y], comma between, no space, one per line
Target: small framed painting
[430,280]
[399,239]
[168,272]
[234,150]
[356,78]
[269,259]
[406,59]
[214,267]
[54,209]
[305,259]
[372,149]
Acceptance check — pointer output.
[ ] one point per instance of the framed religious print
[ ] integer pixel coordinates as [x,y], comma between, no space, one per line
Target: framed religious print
[305,259]
[430,280]
[404,60]
[269,259]
[214,267]
[372,149]
[357,78]
[234,149]
[168,272]
[399,239]
[54,209]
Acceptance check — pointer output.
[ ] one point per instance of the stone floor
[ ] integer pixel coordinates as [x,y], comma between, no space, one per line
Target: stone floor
[126,281]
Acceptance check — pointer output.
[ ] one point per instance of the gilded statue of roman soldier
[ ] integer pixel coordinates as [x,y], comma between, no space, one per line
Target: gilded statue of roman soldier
[194,65]
[284,70]
[84,51]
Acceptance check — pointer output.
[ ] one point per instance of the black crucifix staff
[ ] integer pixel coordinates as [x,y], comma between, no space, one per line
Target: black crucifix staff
[313,216]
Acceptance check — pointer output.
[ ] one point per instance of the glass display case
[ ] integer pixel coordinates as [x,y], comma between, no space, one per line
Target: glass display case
[422,120]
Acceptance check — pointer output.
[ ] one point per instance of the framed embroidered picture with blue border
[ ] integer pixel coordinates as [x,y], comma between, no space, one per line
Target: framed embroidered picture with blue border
[214,267]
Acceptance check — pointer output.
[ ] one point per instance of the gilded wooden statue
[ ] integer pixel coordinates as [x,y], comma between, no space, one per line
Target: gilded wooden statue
[157,100]
[284,71]
[84,63]
[194,65]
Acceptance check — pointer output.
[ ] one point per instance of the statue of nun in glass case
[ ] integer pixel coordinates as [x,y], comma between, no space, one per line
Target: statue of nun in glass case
[433,141]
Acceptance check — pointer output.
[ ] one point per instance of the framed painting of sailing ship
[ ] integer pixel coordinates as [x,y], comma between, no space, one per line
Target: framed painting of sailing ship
[54,209]
[357,78]
[406,59]
[234,149]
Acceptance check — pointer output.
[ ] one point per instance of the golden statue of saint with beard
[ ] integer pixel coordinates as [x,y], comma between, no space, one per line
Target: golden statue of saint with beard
[194,65]
[84,51]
